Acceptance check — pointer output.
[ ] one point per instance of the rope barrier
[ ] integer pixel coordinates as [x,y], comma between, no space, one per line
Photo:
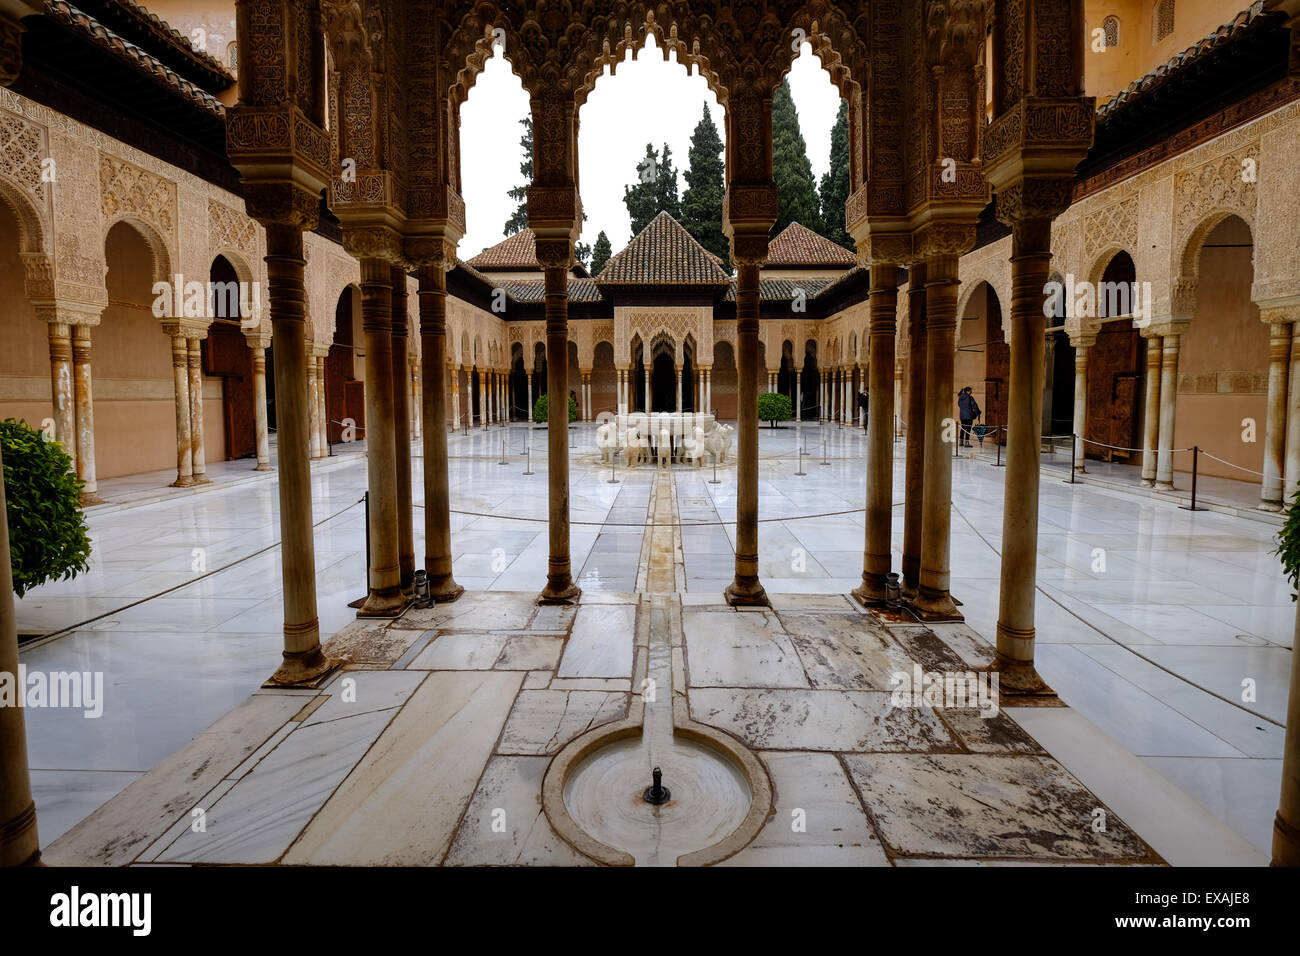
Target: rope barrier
[176,587]
[651,524]
[1127,647]
[1232,465]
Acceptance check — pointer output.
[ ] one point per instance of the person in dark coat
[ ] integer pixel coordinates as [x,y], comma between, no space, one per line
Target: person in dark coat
[863,404]
[967,410]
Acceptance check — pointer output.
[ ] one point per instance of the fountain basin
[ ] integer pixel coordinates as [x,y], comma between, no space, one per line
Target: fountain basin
[721,794]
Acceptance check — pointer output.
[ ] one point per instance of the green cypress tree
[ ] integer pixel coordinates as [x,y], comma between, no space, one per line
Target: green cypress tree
[600,253]
[519,220]
[643,197]
[790,167]
[706,188]
[666,181]
[835,183]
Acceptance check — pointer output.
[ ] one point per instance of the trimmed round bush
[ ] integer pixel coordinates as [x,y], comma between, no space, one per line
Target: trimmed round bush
[774,407]
[542,409]
[48,538]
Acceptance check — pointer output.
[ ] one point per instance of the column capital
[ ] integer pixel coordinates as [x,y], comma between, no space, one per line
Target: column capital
[1166,325]
[1275,311]
[62,312]
[185,328]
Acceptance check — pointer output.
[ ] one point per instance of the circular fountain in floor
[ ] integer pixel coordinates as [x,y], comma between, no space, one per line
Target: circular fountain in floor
[606,795]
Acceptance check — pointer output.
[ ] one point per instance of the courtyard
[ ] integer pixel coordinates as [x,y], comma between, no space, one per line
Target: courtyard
[1150,618]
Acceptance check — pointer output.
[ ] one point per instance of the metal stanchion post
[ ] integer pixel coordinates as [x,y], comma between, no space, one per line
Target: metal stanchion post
[714,480]
[998,463]
[1196,454]
[503,451]
[1074,452]
[801,473]
[365,496]
[825,459]
[613,467]
[528,468]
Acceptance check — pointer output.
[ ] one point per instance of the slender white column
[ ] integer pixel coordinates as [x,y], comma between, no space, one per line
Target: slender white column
[680,385]
[65,429]
[1081,349]
[1275,425]
[181,389]
[259,410]
[1168,401]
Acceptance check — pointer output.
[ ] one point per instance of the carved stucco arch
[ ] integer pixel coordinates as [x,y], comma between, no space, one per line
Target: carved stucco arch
[1186,280]
[154,240]
[33,228]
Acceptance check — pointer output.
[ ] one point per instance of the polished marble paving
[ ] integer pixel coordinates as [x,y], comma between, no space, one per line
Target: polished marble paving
[1150,617]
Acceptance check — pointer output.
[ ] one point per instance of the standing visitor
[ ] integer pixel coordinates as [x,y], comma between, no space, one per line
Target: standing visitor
[967,410]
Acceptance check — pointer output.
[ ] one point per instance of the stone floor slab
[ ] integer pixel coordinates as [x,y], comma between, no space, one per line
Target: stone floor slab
[543,721]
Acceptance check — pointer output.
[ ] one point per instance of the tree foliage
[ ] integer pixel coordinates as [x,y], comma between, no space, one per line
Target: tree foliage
[542,409]
[600,253]
[655,190]
[48,538]
[790,167]
[835,183]
[1288,544]
[774,407]
[519,219]
[706,188]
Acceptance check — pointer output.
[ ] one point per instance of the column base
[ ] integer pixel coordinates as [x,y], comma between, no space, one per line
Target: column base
[1164,486]
[263,468]
[444,590]
[202,480]
[1018,678]
[1286,843]
[186,482]
[304,669]
[18,842]
[871,592]
[746,591]
[384,602]
[89,498]
[1080,469]
[935,606]
[559,589]
[1273,506]
[1148,482]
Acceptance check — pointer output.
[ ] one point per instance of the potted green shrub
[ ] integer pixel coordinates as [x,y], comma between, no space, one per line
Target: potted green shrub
[542,409]
[48,538]
[1288,543]
[774,407]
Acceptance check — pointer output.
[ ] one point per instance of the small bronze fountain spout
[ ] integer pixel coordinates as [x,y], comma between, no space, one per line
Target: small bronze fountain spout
[658,794]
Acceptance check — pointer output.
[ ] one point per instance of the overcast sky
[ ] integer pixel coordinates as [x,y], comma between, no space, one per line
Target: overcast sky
[648,100]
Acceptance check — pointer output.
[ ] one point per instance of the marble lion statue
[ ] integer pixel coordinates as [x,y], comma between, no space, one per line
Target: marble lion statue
[664,448]
[693,448]
[718,442]
[607,442]
[638,448]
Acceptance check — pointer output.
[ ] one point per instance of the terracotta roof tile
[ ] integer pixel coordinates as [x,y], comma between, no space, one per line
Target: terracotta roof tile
[534,290]
[143,61]
[1143,85]
[663,253]
[798,246]
[782,290]
[517,252]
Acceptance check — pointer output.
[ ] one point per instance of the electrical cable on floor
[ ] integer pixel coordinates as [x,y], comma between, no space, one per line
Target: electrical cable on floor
[46,638]
[1186,680]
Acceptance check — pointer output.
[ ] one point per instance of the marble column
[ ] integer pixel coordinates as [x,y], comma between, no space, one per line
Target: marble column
[181,389]
[645,374]
[1031,256]
[878,550]
[85,401]
[417,417]
[914,450]
[65,428]
[746,589]
[933,601]
[528,413]
[437,497]
[303,660]
[322,407]
[1168,400]
[560,587]
[19,842]
[313,408]
[260,420]
[385,598]
[1292,472]
[402,431]
[1279,351]
[453,373]
[1151,409]
[1081,399]
[677,370]
[708,389]
[798,396]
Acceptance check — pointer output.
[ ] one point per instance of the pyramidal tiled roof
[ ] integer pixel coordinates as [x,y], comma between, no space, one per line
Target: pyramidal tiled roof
[663,253]
[798,245]
[517,252]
